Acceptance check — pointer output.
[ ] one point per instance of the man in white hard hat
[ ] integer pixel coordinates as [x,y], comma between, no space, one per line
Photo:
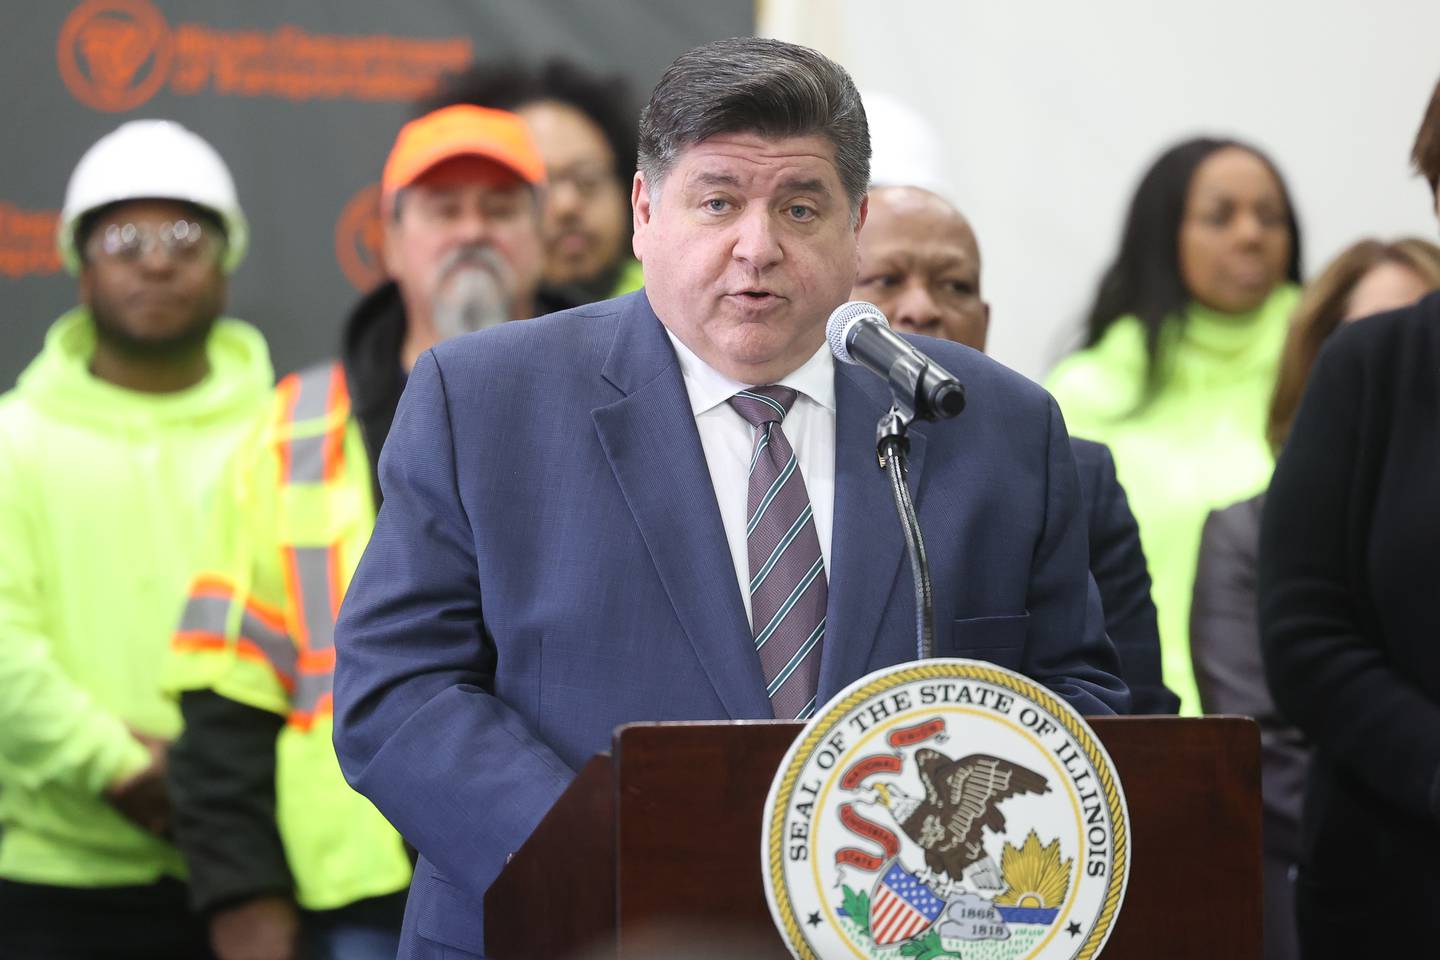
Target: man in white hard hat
[111,447]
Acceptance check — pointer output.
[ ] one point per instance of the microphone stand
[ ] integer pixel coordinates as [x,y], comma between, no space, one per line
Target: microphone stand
[892,446]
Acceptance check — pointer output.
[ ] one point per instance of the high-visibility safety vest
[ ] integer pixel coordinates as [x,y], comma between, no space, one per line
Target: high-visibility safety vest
[259,628]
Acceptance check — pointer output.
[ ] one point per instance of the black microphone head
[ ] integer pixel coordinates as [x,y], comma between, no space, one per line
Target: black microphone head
[843,319]
[948,400]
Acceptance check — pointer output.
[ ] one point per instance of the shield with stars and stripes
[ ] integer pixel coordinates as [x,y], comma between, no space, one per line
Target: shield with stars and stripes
[901,906]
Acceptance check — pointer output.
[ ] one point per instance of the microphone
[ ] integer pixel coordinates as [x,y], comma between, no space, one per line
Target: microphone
[858,333]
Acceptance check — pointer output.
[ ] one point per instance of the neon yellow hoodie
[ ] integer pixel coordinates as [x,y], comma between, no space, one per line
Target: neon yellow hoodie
[1199,445]
[102,493]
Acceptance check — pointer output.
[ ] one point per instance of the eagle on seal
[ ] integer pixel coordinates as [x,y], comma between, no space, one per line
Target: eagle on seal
[961,797]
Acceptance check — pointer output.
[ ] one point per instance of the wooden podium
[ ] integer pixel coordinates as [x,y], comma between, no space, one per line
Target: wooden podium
[661,839]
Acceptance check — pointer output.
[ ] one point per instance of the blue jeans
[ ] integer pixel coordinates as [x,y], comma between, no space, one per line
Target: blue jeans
[365,930]
[351,941]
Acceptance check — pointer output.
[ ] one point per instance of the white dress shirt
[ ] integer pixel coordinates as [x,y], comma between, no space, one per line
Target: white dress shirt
[728,440]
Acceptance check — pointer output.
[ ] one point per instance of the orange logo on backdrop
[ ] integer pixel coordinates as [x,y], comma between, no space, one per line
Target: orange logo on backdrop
[105,49]
[358,239]
[27,241]
[115,54]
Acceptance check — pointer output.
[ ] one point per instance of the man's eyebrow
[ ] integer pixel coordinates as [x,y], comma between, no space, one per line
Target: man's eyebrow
[711,179]
[805,185]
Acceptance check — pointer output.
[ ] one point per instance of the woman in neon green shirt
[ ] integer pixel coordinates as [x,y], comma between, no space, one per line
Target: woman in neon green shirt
[1183,341]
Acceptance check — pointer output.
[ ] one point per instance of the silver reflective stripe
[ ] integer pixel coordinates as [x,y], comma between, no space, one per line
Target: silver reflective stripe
[310,689]
[205,614]
[210,614]
[307,459]
[307,454]
[314,391]
[276,646]
[312,570]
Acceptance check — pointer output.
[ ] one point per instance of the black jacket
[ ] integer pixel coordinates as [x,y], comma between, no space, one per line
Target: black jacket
[374,337]
[1350,625]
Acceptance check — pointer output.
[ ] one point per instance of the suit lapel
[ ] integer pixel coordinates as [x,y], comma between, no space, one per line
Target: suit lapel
[866,547]
[653,447]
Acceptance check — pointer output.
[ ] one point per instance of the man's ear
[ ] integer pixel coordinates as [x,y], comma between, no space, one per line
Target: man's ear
[390,244]
[985,325]
[640,210]
[862,214]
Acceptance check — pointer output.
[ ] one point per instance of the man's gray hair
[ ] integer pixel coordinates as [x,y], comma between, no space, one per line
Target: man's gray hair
[755,85]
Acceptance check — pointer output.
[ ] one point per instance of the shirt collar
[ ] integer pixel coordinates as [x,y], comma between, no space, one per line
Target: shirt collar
[708,387]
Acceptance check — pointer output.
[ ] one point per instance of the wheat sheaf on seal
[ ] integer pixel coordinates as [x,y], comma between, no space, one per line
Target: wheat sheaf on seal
[949,808]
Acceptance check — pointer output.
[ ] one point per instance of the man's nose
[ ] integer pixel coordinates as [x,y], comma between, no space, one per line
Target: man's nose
[563,197]
[915,307]
[473,226]
[156,261]
[756,243]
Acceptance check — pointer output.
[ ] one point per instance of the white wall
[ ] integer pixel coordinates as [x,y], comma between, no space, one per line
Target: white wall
[1050,112]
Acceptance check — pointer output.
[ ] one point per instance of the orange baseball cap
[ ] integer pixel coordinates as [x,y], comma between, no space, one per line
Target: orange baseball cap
[463,130]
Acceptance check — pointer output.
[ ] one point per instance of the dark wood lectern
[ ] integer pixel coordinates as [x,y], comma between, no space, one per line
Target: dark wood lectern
[663,835]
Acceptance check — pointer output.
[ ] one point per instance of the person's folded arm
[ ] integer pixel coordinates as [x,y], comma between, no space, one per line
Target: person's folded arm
[222,784]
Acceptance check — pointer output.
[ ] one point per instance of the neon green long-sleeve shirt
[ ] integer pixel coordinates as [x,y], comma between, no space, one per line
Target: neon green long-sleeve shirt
[1199,445]
[102,493]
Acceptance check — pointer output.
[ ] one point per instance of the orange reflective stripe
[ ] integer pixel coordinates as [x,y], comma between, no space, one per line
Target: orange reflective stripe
[205,624]
[305,719]
[214,587]
[273,618]
[313,435]
[337,584]
[287,394]
[319,394]
[317,661]
[337,407]
[311,577]
[210,585]
[191,641]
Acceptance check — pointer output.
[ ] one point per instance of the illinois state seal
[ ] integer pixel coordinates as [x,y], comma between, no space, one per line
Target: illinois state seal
[946,808]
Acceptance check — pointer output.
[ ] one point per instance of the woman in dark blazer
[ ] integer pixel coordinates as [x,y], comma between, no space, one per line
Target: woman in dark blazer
[1350,625]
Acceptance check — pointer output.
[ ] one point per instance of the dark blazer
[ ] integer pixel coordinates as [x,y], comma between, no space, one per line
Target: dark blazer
[1350,621]
[550,563]
[1117,562]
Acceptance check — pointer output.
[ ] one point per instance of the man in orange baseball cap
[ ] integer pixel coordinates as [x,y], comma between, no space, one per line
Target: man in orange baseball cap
[462,247]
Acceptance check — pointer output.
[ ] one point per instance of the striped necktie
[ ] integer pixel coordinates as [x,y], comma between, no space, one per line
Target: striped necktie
[787,574]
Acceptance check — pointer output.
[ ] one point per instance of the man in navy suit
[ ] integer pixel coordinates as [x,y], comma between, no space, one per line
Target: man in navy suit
[667,506]
[920,264]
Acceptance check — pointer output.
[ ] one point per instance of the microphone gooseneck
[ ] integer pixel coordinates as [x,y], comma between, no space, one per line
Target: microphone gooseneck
[920,389]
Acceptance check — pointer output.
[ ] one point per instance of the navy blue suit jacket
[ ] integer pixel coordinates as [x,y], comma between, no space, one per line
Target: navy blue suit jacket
[550,563]
[1117,562]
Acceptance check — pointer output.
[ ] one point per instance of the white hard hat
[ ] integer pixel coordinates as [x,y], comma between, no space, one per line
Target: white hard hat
[152,160]
[905,147]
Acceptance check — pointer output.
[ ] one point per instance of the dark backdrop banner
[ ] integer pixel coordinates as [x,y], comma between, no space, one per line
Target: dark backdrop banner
[301,98]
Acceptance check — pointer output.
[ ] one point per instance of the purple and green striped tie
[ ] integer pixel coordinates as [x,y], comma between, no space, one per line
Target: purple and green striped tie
[787,574]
